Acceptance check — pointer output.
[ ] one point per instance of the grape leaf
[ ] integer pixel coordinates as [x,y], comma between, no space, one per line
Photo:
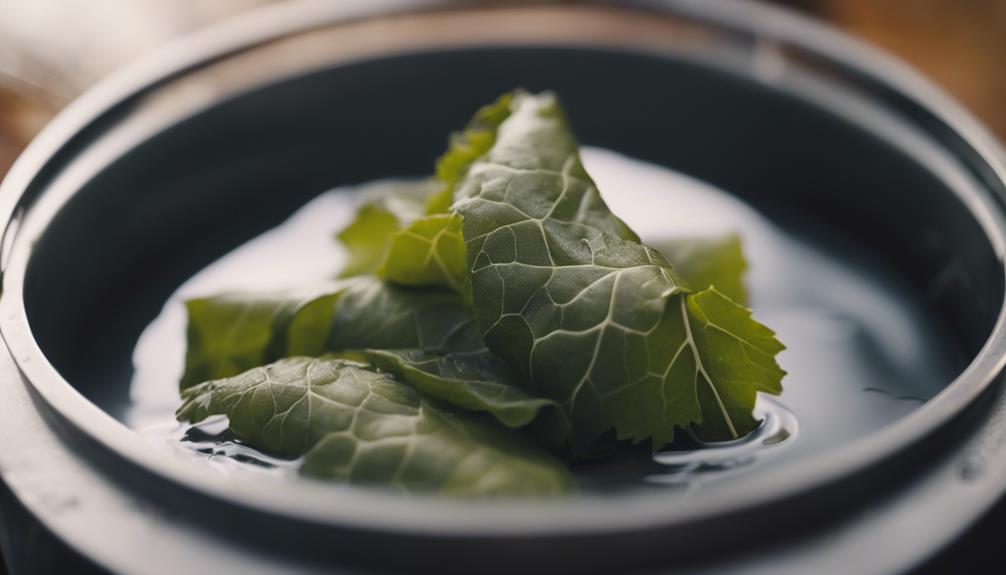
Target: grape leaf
[585,314]
[427,252]
[464,148]
[357,425]
[367,239]
[374,314]
[383,211]
[710,262]
[230,333]
[391,237]
[445,356]
[569,302]
[477,381]
[234,332]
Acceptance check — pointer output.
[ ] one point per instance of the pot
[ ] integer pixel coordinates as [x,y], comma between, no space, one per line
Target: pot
[132,189]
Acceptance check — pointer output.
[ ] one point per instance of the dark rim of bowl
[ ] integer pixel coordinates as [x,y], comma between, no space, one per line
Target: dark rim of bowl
[355,508]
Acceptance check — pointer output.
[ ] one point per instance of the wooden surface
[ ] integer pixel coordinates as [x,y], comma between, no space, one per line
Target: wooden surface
[960,44]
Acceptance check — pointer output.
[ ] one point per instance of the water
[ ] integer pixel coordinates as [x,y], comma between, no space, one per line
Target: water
[861,352]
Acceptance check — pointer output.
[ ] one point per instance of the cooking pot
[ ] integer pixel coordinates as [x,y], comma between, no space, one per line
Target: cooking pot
[171,163]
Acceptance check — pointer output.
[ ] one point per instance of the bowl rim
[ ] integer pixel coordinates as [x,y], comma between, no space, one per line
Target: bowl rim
[360,509]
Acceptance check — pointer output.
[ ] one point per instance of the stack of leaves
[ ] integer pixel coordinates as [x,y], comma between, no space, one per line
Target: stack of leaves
[481,330]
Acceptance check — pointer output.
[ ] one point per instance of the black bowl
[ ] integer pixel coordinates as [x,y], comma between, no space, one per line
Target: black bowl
[135,187]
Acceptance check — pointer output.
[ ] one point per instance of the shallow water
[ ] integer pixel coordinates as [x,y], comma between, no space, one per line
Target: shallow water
[861,351]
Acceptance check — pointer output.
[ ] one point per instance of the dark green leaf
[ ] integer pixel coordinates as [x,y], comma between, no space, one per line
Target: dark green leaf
[585,314]
[476,380]
[357,425]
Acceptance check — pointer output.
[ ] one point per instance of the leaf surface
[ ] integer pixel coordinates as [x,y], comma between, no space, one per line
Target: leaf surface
[358,425]
[427,252]
[584,313]
[231,333]
[477,381]
[710,262]
[382,212]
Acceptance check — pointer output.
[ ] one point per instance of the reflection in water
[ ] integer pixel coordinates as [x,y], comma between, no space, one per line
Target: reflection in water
[861,351]
[212,442]
[713,460]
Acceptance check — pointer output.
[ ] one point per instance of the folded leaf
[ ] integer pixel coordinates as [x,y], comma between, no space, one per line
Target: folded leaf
[465,147]
[374,314]
[427,252]
[357,425]
[710,262]
[585,314]
[513,291]
[737,358]
[382,212]
[234,332]
[231,333]
[366,239]
[477,381]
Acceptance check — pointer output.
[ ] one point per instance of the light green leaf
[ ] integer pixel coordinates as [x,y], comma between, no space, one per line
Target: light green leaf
[393,239]
[428,252]
[464,148]
[231,333]
[477,381]
[405,248]
[366,239]
[737,358]
[382,212]
[585,314]
[710,262]
[357,425]
[234,332]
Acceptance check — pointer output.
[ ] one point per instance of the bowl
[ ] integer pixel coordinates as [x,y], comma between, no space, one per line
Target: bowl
[134,188]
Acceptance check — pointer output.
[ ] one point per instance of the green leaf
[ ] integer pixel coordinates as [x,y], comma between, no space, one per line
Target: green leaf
[477,381]
[464,148]
[393,239]
[710,262]
[382,212]
[405,248]
[585,314]
[366,239]
[357,425]
[231,333]
[428,252]
[585,326]
[737,358]
[234,332]
[374,314]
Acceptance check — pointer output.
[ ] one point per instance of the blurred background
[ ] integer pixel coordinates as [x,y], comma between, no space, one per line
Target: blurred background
[52,50]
